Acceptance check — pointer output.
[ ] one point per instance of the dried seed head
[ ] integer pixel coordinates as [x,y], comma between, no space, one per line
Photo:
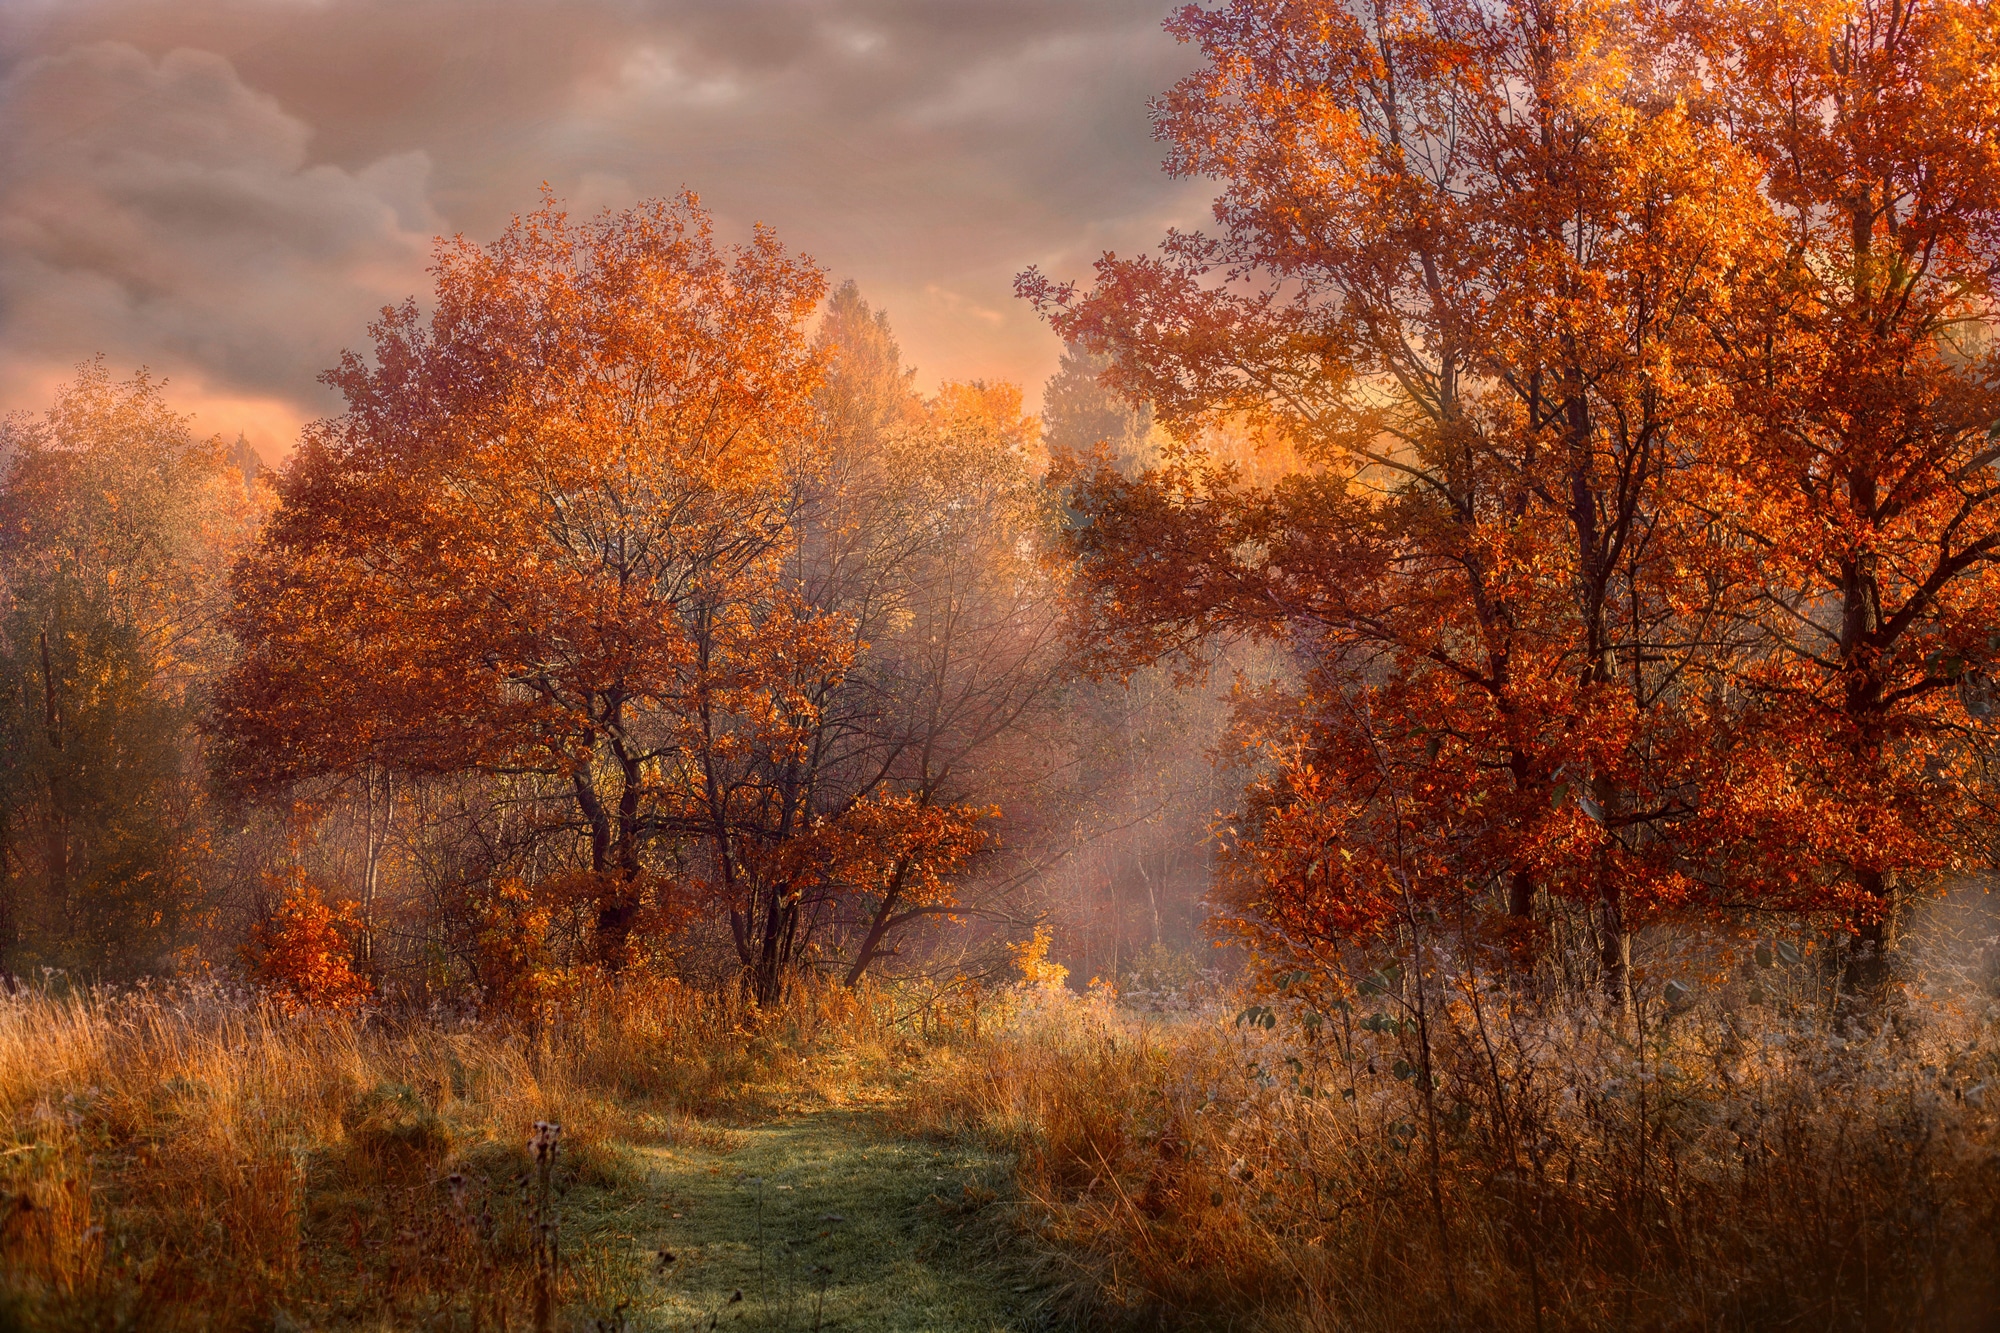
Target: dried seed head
[542,1142]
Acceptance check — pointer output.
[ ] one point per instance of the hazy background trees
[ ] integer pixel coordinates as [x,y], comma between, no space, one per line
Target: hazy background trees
[117,526]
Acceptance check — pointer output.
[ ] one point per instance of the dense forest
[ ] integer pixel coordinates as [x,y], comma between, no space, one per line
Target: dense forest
[1443,781]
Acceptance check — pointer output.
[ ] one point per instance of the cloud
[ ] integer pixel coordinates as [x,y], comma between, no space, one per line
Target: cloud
[163,212]
[226,189]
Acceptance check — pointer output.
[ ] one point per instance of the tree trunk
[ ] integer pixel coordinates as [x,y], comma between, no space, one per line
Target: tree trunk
[617,913]
[56,836]
[1520,895]
[1520,883]
[878,928]
[769,974]
[1864,974]
[374,842]
[1614,934]
[1614,948]
[614,866]
[1600,671]
[1524,945]
[618,907]
[1153,893]
[7,882]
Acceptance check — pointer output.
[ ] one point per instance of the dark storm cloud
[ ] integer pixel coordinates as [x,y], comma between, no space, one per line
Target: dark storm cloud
[227,188]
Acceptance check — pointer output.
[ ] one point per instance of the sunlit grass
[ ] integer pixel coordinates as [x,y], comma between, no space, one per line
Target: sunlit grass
[1026,1157]
[193,1158]
[1724,1165]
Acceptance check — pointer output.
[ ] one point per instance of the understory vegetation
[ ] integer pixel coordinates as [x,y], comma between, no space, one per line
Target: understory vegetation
[1429,1146]
[1445,1150]
[202,1159]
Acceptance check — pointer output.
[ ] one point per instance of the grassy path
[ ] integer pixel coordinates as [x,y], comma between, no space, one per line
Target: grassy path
[822,1220]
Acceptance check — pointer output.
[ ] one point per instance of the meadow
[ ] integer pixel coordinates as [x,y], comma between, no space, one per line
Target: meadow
[199,1158]
[1524,1164]
[1187,1154]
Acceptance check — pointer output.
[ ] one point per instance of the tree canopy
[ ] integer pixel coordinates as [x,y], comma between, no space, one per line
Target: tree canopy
[1644,525]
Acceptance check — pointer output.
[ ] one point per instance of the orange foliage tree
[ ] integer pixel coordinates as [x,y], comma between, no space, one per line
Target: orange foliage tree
[917,532]
[1865,392]
[543,539]
[1525,295]
[1465,262]
[726,608]
[304,954]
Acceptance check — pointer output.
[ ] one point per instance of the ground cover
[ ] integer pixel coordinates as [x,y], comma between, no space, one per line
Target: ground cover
[826,1218]
[201,1160]
[1742,1156]
[1737,1153]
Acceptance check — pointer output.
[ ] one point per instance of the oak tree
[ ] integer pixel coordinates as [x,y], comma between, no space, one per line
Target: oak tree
[1465,261]
[1864,392]
[543,539]
[918,531]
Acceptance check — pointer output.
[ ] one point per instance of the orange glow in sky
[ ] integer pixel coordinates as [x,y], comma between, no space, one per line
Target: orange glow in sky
[226,190]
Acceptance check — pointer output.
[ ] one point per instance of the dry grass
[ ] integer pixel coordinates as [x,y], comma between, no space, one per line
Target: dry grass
[1718,1164]
[196,1159]
[199,1159]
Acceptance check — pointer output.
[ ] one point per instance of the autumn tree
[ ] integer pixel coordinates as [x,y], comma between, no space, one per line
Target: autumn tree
[304,954]
[1864,381]
[117,524]
[663,603]
[918,531]
[543,539]
[1464,262]
[969,669]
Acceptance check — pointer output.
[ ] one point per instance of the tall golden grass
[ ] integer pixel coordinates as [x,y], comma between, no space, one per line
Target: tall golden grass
[1520,1163]
[195,1158]
[1740,1159]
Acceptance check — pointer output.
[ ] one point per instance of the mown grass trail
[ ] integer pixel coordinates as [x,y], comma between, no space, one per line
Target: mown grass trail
[823,1219]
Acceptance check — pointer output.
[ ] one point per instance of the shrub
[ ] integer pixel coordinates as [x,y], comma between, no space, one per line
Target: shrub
[304,955]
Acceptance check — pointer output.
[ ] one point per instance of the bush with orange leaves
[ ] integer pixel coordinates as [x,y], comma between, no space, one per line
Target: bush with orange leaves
[304,955]
[1031,960]
[515,948]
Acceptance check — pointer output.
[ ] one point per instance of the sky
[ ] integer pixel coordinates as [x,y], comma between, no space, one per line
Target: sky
[226,191]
